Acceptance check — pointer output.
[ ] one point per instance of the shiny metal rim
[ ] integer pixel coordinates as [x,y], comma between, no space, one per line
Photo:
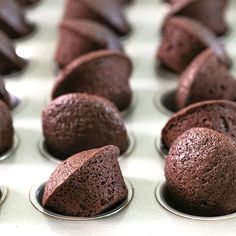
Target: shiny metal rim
[159,147]
[3,194]
[157,101]
[159,193]
[131,107]
[12,150]
[37,191]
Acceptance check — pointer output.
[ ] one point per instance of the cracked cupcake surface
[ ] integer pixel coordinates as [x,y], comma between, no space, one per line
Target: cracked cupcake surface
[86,184]
[218,115]
[78,122]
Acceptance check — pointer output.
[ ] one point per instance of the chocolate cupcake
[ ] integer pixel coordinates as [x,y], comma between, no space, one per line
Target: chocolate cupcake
[106,12]
[86,184]
[6,128]
[14,23]
[200,173]
[9,60]
[78,37]
[27,3]
[78,122]
[183,39]
[104,73]
[4,95]
[218,115]
[206,78]
[208,12]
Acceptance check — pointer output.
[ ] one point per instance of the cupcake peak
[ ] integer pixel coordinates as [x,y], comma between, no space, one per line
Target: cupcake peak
[77,122]
[206,78]
[105,11]
[104,73]
[94,173]
[208,12]
[83,36]
[183,39]
[14,23]
[218,115]
[9,60]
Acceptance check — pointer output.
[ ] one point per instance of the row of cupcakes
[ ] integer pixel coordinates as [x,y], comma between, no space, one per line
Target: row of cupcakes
[84,115]
[13,25]
[89,53]
[75,122]
[198,141]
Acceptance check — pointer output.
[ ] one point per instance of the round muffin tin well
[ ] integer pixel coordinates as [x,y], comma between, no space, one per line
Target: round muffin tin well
[3,194]
[36,194]
[45,153]
[12,150]
[161,149]
[164,199]
[165,102]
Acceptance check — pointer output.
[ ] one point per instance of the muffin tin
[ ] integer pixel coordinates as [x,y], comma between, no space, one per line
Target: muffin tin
[149,212]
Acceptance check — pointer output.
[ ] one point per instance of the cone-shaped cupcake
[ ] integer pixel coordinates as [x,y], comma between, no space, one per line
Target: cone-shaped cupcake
[12,20]
[28,2]
[206,78]
[209,12]
[183,39]
[78,37]
[9,60]
[86,184]
[4,95]
[6,128]
[78,122]
[218,115]
[200,173]
[104,11]
[104,73]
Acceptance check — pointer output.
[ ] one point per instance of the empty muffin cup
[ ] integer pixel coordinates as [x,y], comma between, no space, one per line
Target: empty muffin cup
[3,194]
[165,200]
[131,107]
[12,150]
[36,194]
[45,153]
[165,102]
[160,147]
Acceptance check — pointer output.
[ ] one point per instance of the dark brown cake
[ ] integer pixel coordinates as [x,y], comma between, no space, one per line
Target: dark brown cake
[218,115]
[104,73]
[86,184]
[9,60]
[12,20]
[6,128]
[28,2]
[104,11]
[206,78]
[208,12]
[4,95]
[200,172]
[78,122]
[78,37]
[183,40]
